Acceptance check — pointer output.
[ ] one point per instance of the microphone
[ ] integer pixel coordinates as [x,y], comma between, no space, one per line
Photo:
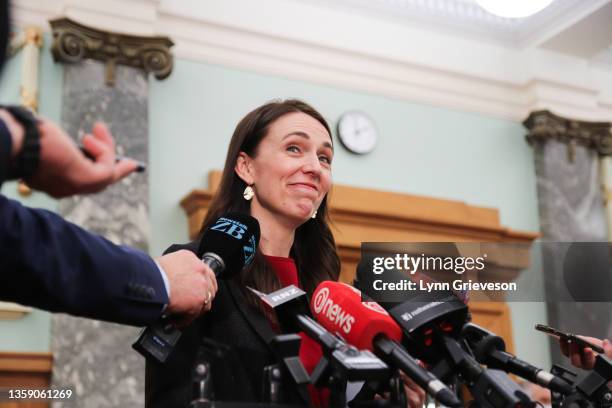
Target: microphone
[292,312]
[431,323]
[366,325]
[227,246]
[490,349]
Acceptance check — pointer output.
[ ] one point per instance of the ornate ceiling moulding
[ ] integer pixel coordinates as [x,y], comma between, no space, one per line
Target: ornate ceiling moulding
[544,125]
[74,42]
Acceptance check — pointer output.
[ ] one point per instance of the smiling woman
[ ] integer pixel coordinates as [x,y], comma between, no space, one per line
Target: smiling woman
[290,173]
[278,170]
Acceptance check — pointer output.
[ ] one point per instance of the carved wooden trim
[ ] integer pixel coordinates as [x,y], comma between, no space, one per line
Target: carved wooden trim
[368,215]
[25,370]
[362,215]
[496,317]
[389,216]
[28,362]
[73,42]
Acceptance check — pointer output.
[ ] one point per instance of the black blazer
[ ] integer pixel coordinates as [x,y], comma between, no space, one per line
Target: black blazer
[239,377]
[52,264]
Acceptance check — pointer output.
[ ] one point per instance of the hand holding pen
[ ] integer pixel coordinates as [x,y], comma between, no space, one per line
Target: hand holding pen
[140,168]
[64,170]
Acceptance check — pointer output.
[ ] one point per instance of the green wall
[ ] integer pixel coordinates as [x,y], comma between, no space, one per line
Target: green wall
[422,150]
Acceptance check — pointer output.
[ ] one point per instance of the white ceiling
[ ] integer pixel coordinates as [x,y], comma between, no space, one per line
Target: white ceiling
[577,27]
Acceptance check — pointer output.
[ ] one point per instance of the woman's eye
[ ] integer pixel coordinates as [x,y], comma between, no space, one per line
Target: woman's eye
[325,159]
[293,149]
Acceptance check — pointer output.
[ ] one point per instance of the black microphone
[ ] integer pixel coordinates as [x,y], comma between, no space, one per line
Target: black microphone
[432,322]
[227,246]
[490,349]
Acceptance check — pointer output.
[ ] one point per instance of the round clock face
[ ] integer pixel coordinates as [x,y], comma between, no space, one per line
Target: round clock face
[357,132]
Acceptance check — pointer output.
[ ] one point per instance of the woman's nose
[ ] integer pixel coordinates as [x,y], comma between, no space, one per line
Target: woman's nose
[312,165]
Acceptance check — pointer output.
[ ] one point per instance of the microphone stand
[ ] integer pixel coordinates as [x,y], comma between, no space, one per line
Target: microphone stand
[365,397]
[341,363]
[593,391]
[287,372]
[490,388]
[203,392]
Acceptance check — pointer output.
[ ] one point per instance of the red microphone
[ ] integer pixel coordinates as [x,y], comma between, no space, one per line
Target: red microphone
[366,325]
[338,307]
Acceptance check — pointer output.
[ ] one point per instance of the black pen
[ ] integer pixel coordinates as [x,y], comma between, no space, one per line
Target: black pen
[139,169]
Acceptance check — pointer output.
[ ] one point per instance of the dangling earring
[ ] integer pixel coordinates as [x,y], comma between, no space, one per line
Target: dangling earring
[248,193]
[314,215]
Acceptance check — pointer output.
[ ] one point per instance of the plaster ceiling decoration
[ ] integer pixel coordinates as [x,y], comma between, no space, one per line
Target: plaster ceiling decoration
[466,17]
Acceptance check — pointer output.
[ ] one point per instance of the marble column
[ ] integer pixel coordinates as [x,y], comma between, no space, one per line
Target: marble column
[106,79]
[571,209]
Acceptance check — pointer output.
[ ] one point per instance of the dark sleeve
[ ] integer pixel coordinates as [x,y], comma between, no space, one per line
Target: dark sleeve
[52,264]
[5,151]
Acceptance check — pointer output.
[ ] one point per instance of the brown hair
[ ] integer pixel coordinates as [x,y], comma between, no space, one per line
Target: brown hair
[314,248]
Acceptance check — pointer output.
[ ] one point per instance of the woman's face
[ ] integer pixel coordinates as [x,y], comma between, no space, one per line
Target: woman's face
[291,170]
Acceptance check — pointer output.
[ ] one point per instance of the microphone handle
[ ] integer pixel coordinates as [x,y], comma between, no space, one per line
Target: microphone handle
[317,332]
[215,263]
[157,341]
[400,357]
[537,375]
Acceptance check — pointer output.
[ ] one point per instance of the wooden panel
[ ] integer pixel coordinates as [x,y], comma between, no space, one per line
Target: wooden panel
[370,215]
[13,311]
[25,370]
[495,316]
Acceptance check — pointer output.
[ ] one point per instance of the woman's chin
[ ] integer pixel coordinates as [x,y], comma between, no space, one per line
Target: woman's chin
[303,214]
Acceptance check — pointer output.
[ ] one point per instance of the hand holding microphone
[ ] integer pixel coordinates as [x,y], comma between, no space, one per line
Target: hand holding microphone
[192,283]
[227,246]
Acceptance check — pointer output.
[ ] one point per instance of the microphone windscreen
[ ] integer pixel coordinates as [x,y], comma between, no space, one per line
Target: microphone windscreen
[234,237]
[338,308]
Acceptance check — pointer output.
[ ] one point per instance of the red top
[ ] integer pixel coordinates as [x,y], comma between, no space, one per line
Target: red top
[310,351]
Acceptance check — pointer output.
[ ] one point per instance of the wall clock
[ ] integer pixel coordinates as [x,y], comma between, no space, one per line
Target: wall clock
[357,132]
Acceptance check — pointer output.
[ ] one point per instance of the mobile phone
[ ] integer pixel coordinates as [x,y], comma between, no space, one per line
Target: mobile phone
[569,337]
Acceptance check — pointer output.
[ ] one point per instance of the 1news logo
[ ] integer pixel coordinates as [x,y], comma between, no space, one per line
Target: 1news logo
[324,306]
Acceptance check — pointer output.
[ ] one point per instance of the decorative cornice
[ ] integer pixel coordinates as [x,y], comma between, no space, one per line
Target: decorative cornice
[388,59]
[73,42]
[465,17]
[544,125]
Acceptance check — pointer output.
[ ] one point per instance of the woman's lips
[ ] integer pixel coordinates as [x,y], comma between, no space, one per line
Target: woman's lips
[305,187]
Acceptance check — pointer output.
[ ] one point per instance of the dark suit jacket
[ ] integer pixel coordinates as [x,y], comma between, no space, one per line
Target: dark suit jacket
[239,377]
[52,264]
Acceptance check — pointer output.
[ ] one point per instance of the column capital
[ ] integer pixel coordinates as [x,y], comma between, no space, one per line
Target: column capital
[544,125]
[73,42]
